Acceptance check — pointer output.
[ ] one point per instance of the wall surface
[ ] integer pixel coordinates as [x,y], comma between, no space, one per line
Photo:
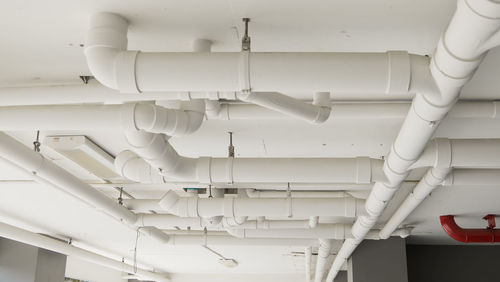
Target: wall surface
[453,263]
[24,263]
[378,261]
[86,271]
[17,261]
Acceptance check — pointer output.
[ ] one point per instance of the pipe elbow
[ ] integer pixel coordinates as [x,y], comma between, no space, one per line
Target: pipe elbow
[106,55]
[323,114]
[170,202]
[238,233]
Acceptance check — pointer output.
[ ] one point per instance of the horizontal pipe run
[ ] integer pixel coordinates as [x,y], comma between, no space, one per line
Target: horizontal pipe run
[253,193]
[136,116]
[327,231]
[136,72]
[461,153]
[45,242]
[111,117]
[361,110]
[93,93]
[154,152]
[237,207]
[218,240]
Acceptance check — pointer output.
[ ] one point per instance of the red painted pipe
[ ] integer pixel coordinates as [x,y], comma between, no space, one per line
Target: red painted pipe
[488,235]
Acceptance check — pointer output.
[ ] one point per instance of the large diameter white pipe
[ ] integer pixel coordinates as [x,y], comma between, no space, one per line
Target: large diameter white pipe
[154,118]
[135,72]
[159,154]
[432,179]
[136,116]
[45,242]
[473,177]
[452,66]
[203,240]
[34,162]
[237,207]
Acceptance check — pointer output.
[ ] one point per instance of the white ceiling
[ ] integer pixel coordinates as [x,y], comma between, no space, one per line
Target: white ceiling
[41,45]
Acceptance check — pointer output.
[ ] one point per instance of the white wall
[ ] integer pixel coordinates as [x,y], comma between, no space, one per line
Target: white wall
[83,270]
[17,261]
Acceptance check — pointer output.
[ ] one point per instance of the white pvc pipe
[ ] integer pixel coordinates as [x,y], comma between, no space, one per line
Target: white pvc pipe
[307,261]
[135,72]
[432,179]
[325,246]
[159,154]
[329,231]
[237,207]
[45,242]
[136,116]
[264,224]
[189,240]
[358,110]
[461,153]
[473,177]
[91,93]
[252,193]
[452,66]
[26,158]
[289,106]
[145,116]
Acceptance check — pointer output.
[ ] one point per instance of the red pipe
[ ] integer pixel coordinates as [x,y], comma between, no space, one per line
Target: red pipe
[488,235]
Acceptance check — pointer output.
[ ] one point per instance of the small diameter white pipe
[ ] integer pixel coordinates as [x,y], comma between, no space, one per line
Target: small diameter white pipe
[237,207]
[313,113]
[53,176]
[431,180]
[34,162]
[307,261]
[190,240]
[159,154]
[325,246]
[44,242]
[328,231]
[252,193]
[453,64]
[93,93]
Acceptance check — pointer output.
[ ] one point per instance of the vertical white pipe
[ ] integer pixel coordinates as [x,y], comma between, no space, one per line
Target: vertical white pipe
[307,256]
[325,246]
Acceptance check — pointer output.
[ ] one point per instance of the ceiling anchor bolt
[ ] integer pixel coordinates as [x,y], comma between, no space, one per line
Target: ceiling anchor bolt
[230,148]
[246,41]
